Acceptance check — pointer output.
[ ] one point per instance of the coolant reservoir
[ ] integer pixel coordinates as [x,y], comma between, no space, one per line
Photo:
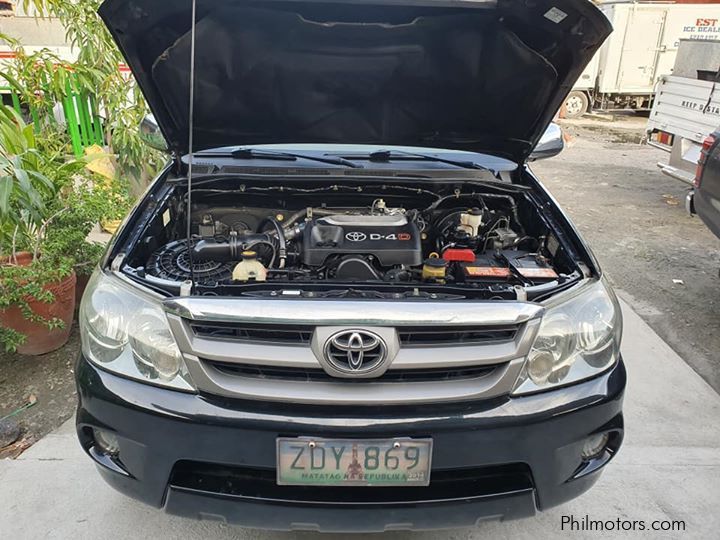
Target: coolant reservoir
[434,268]
[249,268]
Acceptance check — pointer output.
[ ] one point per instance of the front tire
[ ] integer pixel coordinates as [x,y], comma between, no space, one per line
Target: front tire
[576,104]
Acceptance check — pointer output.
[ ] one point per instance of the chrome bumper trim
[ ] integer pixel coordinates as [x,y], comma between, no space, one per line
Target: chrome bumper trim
[675,173]
[322,312]
[690,202]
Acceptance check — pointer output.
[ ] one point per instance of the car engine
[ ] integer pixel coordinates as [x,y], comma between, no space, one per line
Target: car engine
[391,239]
[488,240]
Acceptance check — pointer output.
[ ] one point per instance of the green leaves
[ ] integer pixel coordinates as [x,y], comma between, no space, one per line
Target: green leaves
[96,72]
[20,286]
[48,201]
[30,183]
[13,135]
[6,187]
[11,339]
[80,209]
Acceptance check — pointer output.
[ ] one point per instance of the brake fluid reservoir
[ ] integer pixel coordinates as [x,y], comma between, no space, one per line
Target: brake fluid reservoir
[249,268]
[471,221]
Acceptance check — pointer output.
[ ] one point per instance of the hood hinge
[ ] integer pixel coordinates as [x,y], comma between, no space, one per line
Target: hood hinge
[177,160]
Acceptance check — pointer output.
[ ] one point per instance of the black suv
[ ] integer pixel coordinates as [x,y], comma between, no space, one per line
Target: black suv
[347,304]
[704,198]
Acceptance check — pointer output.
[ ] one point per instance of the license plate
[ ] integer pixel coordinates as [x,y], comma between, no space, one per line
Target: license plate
[307,461]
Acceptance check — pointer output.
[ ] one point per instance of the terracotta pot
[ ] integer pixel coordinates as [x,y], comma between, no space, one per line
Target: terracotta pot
[80,286]
[23,258]
[40,339]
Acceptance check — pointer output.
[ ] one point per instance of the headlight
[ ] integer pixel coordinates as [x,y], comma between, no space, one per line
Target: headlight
[578,339]
[126,332]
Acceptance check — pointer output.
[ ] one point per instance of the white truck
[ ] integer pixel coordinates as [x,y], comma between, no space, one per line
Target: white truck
[687,108]
[642,49]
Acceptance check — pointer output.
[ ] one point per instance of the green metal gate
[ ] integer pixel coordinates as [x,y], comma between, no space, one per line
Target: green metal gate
[82,118]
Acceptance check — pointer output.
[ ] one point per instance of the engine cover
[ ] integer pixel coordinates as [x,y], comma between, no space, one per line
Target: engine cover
[390,238]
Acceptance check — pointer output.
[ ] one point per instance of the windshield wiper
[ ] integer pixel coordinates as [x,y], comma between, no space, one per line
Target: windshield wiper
[385,156]
[252,153]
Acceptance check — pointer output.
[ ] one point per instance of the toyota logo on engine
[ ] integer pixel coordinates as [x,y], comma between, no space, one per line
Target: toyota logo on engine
[356,236]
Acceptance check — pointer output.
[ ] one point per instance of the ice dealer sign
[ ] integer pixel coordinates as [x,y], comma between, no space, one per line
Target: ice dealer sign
[702,29]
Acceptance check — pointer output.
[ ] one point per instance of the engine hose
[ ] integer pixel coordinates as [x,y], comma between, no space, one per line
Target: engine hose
[513,207]
[282,242]
[290,221]
[270,245]
[233,245]
[477,196]
[230,249]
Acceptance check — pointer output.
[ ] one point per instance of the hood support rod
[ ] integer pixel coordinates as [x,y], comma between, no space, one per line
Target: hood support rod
[188,217]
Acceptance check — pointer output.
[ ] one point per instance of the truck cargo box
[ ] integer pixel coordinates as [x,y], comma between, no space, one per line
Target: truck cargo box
[686,108]
[641,50]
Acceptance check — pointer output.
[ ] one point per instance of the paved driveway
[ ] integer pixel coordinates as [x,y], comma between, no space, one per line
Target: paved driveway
[669,469]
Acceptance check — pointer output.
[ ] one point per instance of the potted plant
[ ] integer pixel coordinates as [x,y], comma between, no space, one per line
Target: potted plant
[37,285]
[37,303]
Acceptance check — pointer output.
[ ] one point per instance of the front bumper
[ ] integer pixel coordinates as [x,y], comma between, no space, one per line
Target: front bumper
[214,458]
[706,206]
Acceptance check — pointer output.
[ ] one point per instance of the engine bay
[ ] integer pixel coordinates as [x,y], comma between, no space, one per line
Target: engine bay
[472,240]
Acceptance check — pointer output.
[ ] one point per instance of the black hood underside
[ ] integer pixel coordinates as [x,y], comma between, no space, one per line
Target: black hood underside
[461,75]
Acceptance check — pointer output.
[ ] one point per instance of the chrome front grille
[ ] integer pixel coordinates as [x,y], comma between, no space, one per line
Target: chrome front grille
[410,336]
[272,350]
[420,336]
[254,333]
[317,375]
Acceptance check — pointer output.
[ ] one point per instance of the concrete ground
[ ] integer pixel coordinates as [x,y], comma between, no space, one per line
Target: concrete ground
[662,261]
[669,469]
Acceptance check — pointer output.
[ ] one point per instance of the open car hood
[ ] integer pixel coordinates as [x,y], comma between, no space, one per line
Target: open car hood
[483,76]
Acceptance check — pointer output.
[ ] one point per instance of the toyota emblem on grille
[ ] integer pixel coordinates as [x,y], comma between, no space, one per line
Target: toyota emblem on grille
[356,236]
[355,351]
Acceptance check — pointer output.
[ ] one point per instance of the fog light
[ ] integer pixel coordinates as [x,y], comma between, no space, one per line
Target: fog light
[594,445]
[107,442]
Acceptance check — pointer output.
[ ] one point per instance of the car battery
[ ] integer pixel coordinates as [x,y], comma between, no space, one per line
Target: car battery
[530,265]
[485,268]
